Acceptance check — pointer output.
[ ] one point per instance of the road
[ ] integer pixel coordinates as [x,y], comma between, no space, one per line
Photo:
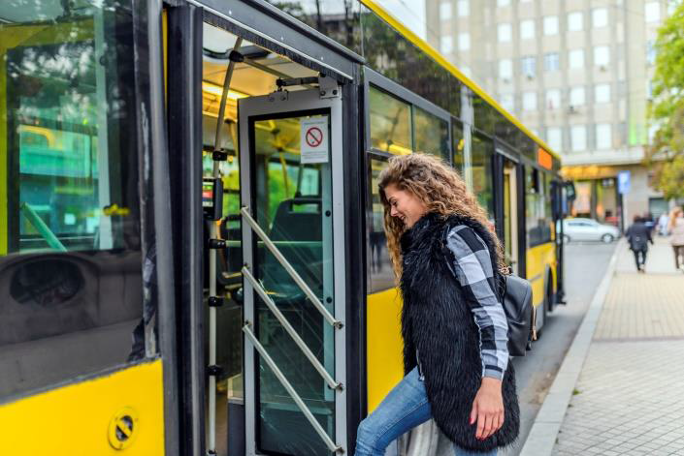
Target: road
[585,266]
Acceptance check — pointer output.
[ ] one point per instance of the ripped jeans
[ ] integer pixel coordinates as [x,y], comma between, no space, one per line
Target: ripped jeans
[404,408]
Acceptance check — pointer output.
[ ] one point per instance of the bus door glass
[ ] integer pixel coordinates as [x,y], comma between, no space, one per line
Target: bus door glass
[292,241]
[510,206]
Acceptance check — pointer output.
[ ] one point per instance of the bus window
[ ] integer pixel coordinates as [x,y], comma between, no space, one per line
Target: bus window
[538,217]
[431,134]
[71,298]
[380,275]
[390,123]
[482,151]
[458,142]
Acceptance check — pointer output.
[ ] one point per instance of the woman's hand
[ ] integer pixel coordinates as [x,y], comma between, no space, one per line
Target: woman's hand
[488,409]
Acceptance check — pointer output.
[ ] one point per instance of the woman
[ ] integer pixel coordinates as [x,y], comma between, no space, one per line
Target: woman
[677,239]
[639,235]
[447,261]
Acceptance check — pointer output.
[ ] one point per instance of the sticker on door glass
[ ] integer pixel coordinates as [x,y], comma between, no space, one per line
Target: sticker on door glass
[314,140]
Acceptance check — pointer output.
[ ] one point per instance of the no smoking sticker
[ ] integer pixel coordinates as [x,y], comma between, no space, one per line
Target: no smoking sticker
[314,140]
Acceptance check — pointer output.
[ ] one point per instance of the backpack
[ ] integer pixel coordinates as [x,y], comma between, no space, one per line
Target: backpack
[516,297]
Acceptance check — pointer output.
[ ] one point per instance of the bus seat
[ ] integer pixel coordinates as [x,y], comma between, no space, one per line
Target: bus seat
[297,234]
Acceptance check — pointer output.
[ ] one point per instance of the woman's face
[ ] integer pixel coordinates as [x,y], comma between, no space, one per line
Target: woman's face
[404,205]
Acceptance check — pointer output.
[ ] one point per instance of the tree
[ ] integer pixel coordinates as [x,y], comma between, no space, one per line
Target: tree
[666,152]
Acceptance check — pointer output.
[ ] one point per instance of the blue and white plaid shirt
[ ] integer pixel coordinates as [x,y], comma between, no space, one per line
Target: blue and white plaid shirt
[473,269]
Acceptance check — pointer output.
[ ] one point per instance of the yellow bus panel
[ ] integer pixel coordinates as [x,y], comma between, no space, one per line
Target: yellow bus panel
[385,362]
[538,259]
[118,414]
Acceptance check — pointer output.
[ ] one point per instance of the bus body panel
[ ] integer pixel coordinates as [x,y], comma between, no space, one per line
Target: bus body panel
[77,419]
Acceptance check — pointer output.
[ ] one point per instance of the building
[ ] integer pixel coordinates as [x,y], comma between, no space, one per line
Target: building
[576,72]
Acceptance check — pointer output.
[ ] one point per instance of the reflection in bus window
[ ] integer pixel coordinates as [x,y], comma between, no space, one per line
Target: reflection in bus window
[458,141]
[431,134]
[482,151]
[380,275]
[390,123]
[71,291]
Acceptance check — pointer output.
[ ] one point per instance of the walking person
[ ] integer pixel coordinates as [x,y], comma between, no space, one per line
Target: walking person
[639,235]
[676,228]
[447,260]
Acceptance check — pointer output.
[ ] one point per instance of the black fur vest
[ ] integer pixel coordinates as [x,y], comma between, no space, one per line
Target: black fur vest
[438,324]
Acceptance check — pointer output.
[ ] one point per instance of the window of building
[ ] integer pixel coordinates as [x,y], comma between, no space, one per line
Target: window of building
[576,58]
[463,8]
[575,21]
[528,66]
[553,99]
[601,55]
[599,17]
[672,6]
[503,2]
[504,32]
[551,25]
[463,41]
[445,10]
[577,96]
[505,69]
[554,138]
[529,101]
[578,138]
[446,44]
[551,61]
[650,52]
[604,136]
[507,101]
[527,29]
[652,11]
[602,93]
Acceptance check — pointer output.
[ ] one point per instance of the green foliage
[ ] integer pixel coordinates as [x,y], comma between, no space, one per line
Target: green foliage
[666,153]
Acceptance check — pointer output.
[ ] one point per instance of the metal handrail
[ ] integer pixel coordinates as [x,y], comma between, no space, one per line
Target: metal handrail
[288,327]
[332,446]
[290,270]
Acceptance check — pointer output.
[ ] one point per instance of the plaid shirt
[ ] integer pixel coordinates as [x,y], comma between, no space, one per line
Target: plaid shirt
[473,269]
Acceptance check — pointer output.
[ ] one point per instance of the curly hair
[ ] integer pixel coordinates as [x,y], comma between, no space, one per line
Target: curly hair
[439,187]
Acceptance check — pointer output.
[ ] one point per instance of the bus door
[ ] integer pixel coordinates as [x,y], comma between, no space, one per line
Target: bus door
[510,198]
[290,150]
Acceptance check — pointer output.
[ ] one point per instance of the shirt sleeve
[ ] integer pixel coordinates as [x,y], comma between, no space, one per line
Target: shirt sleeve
[473,269]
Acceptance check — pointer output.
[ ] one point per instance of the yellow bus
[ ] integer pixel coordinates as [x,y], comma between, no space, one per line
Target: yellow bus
[192,258]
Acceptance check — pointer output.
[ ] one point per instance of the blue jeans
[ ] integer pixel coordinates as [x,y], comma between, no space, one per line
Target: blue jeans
[404,408]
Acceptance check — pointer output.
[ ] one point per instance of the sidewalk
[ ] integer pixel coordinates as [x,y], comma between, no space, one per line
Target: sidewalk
[629,397]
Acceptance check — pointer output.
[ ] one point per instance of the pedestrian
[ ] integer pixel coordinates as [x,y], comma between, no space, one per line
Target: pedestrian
[639,235]
[676,227]
[664,223]
[447,261]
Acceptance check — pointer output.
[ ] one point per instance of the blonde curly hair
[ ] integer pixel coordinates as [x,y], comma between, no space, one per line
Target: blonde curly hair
[439,187]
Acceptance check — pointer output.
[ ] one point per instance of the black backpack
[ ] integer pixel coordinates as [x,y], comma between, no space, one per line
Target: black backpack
[516,296]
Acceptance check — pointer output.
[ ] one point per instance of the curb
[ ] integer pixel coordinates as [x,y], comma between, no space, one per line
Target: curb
[542,437]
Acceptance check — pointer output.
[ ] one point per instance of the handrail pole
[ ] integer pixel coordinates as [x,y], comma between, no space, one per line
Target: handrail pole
[332,446]
[290,270]
[288,327]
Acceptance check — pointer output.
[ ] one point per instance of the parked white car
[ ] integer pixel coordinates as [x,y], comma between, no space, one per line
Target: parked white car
[584,229]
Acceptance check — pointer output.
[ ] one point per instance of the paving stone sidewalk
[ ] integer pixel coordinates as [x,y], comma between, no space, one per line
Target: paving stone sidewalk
[629,399]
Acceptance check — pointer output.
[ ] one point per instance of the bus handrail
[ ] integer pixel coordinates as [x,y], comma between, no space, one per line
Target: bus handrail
[290,270]
[288,327]
[40,226]
[332,446]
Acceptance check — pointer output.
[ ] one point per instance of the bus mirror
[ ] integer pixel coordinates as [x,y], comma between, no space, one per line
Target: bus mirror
[570,191]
